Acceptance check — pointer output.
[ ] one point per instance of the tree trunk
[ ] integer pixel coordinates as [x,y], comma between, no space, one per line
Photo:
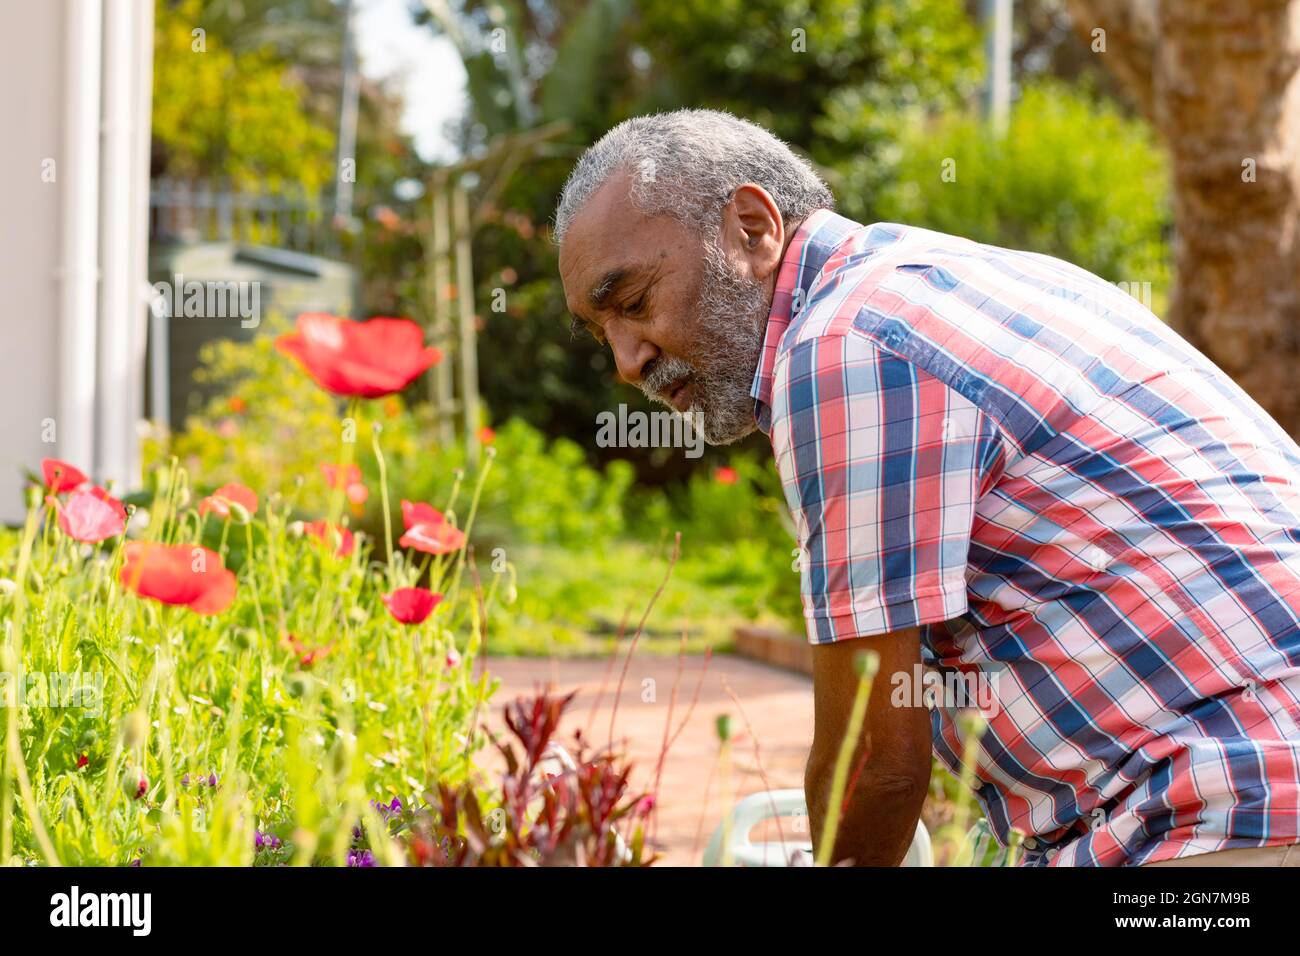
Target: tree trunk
[1219,81]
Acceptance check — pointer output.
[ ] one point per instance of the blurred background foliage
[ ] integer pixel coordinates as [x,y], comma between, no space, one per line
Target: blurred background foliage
[877,93]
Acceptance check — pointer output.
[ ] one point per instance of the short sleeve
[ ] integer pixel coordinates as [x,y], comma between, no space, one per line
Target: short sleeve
[882,465]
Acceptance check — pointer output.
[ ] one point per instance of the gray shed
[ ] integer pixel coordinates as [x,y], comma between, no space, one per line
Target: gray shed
[216,290]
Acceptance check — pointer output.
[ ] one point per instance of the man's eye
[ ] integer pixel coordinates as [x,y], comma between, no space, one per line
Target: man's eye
[635,308]
[577,327]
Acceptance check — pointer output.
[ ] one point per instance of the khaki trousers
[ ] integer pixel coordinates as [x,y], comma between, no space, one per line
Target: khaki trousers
[1249,856]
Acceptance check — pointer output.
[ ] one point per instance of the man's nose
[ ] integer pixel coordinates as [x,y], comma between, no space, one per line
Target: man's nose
[631,351]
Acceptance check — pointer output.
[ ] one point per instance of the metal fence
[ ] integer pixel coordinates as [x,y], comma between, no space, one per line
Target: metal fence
[197,211]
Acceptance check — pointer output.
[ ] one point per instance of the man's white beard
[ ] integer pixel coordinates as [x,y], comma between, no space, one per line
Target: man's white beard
[730,322]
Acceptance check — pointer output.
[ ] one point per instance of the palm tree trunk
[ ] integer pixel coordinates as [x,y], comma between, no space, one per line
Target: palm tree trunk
[1219,80]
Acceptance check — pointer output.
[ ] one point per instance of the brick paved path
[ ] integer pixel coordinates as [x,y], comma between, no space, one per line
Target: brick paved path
[777,704]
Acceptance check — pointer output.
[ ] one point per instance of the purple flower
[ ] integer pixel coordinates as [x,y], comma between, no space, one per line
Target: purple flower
[265,841]
[360,858]
[212,780]
[185,780]
[387,810]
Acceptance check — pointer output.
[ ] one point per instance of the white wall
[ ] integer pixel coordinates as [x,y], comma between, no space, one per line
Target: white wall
[31,58]
[62,61]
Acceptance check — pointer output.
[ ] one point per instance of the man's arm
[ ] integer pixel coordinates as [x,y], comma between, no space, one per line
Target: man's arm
[882,807]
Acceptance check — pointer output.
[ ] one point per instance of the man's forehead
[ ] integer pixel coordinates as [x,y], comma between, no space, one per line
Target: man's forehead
[610,241]
[605,222]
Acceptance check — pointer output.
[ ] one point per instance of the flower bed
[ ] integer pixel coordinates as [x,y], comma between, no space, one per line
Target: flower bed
[211,680]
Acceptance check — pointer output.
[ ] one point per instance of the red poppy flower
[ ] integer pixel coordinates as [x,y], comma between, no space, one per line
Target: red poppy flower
[82,761]
[317,529]
[307,656]
[89,518]
[431,538]
[411,605]
[350,480]
[104,496]
[359,359]
[725,475]
[186,575]
[417,512]
[486,436]
[60,476]
[219,501]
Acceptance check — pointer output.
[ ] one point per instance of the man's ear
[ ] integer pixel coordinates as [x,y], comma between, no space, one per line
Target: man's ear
[755,230]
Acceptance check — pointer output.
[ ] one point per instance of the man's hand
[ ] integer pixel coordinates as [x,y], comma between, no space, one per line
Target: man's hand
[883,805]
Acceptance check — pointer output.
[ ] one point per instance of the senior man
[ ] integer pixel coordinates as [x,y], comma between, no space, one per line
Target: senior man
[999,465]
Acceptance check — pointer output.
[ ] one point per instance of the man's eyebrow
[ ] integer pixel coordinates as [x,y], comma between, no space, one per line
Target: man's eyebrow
[607,284]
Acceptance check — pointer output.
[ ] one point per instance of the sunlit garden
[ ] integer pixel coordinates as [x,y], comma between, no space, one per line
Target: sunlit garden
[374,591]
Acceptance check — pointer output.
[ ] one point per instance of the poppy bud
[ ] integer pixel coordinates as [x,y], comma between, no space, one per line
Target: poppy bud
[238,513]
[246,638]
[972,724]
[866,664]
[295,529]
[88,739]
[724,727]
[135,726]
[134,784]
[296,685]
[7,587]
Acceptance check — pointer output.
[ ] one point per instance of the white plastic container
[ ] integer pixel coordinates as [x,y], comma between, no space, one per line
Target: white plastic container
[767,805]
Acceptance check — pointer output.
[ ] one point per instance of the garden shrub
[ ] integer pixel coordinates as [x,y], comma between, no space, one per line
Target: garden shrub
[1073,177]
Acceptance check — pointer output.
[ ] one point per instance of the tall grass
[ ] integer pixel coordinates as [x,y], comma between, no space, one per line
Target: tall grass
[139,732]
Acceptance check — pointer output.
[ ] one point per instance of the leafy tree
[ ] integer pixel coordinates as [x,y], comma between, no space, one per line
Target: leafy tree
[225,114]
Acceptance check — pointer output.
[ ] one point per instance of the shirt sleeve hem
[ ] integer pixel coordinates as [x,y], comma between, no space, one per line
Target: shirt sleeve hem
[866,619]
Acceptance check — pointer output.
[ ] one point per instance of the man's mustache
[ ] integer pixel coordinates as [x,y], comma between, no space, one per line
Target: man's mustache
[663,375]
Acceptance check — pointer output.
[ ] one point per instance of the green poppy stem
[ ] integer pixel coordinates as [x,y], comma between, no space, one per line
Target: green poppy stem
[839,780]
[375,429]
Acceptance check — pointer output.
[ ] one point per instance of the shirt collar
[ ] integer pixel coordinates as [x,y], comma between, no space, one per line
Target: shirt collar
[817,237]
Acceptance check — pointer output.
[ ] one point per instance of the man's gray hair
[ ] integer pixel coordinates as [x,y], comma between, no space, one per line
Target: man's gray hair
[688,163]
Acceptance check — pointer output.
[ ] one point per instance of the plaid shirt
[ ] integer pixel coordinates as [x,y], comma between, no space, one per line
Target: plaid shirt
[1070,502]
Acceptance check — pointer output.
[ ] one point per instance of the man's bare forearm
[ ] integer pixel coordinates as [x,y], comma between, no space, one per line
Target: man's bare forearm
[879,818]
